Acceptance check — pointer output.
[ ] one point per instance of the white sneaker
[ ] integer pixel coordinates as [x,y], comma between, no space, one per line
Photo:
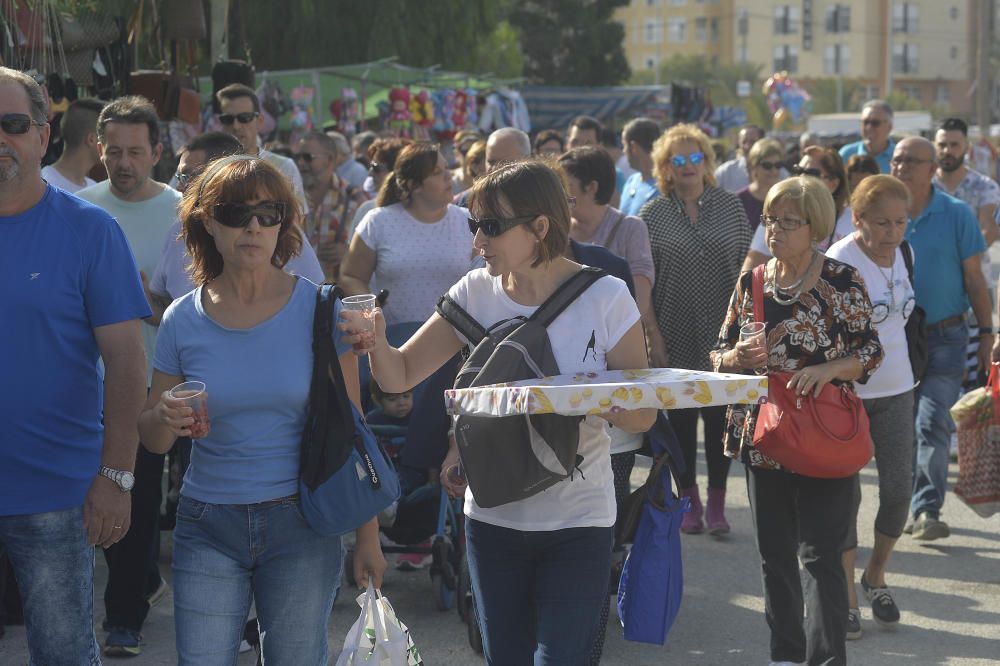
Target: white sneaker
[244,646]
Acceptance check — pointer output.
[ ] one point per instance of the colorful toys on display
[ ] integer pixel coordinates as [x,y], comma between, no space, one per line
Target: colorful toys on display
[400,120]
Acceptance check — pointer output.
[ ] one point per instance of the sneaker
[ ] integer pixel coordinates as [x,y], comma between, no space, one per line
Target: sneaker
[884,608]
[927,528]
[853,624]
[245,647]
[123,642]
[908,527]
[157,594]
[412,561]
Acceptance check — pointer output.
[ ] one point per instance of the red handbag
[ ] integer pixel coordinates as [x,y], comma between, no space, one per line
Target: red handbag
[826,437]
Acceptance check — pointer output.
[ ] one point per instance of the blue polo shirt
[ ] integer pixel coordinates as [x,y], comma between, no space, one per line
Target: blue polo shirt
[65,269]
[858,148]
[942,236]
[636,193]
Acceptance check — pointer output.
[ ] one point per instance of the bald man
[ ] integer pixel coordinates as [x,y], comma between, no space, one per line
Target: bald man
[507,144]
[948,247]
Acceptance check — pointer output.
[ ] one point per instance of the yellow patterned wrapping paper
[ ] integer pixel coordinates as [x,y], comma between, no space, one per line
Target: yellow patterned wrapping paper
[609,391]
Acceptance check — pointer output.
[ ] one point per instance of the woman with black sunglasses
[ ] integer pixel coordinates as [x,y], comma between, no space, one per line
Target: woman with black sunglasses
[246,332]
[699,235]
[765,168]
[539,566]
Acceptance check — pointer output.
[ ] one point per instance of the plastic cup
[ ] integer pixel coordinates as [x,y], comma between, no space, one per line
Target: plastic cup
[194,396]
[455,475]
[754,332]
[365,304]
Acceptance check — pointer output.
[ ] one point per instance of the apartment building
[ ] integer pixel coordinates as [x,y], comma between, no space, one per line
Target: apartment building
[924,48]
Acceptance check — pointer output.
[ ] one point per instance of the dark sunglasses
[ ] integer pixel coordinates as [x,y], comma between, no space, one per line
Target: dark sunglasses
[770,166]
[802,171]
[694,158]
[236,215]
[17,123]
[244,118]
[493,227]
[184,179]
[305,157]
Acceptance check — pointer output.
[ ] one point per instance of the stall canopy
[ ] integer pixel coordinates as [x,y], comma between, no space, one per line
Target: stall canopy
[555,107]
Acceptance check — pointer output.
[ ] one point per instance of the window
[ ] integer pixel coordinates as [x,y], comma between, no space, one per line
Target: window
[905,17]
[954,52]
[943,94]
[786,20]
[836,59]
[953,13]
[701,29]
[905,59]
[650,63]
[678,3]
[677,30]
[652,3]
[838,18]
[654,35]
[911,91]
[742,22]
[713,30]
[786,58]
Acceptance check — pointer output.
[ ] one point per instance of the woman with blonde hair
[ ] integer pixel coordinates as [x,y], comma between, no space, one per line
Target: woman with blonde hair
[818,328]
[764,164]
[699,235]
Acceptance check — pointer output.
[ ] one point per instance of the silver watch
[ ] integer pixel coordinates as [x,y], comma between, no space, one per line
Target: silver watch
[124,480]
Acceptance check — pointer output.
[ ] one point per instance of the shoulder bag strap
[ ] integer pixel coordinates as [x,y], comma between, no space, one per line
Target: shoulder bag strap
[614,230]
[565,294]
[325,355]
[455,314]
[908,260]
[758,292]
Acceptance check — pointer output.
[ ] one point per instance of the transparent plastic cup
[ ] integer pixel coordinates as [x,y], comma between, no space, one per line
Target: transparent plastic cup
[194,396]
[365,304]
[754,332]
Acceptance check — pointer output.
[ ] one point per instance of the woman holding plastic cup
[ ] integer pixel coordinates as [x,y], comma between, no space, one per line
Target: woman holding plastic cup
[245,333]
[818,327]
[539,566]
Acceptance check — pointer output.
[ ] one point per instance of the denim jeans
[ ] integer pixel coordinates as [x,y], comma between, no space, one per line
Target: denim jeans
[934,397]
[226,555]
[54,566]
[538,594]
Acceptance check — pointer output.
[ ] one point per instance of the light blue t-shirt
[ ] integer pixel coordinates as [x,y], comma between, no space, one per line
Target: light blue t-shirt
[636,193]
[858,148]
[945,234]
[65,269]
[257,382]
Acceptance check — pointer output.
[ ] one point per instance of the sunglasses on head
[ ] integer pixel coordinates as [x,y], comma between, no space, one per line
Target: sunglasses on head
[694,158]
[244,118]
[494,226]
[17,123]
[236,215]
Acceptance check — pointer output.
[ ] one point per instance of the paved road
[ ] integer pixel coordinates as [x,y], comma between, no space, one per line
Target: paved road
[948,591]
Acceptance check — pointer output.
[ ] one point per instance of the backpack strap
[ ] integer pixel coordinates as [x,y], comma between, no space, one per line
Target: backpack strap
[462,321]
[325,363]
[908,259]
[565,294]
[614,230]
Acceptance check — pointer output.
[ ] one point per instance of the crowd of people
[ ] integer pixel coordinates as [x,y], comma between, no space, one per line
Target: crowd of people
[122,289]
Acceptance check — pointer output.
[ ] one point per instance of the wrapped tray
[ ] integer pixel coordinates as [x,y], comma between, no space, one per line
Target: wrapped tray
[612,390]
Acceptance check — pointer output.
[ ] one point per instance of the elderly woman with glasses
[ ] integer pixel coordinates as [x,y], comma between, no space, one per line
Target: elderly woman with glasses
[240,534]
[818,327]
[764,163]
[880,220]
[699,235]
[826,165]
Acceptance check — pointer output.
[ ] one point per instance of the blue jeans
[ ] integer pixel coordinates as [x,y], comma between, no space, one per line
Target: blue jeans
[54,566]
[538,594]
[934,397]
[226,555]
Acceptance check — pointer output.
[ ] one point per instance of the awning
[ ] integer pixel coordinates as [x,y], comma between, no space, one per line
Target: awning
[555,107]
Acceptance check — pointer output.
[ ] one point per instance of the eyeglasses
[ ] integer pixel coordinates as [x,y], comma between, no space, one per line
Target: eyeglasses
[494,226]
[236,215]
[785,223]
[378,168]
[907,161]
[17,123]
[243,118]
[694,158]
[769,166]
[184,179]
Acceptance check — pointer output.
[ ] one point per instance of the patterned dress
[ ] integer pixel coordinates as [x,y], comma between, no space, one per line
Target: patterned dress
[830,321]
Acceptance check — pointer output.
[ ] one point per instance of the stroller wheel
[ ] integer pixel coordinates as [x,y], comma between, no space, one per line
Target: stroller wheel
[464,591]
[349,568]
[475,637]
[444,596]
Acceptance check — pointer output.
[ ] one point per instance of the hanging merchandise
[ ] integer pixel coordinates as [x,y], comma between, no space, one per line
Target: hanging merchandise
[471,106]
[422,115]
[348,120]
[444,106]
[399,112]
[302,112]
[504,108]
[786,100]
[460,110]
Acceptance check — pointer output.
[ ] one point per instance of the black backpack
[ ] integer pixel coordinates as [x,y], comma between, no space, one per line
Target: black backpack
[510,458]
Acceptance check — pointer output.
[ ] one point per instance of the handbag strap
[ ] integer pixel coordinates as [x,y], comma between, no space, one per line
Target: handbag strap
[614,230]
[907,259]
[852,406]
[758,293]
[326,367]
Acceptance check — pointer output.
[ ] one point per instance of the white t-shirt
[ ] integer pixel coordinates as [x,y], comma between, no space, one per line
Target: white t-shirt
[415,261]
[145,224]
[587,499]
[171,277]
[843,229]
[53,177]
[893,306]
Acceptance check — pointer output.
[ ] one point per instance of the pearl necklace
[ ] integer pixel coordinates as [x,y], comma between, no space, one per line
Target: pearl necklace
[797,285]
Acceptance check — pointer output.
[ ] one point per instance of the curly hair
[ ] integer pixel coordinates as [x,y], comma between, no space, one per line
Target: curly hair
[665,148]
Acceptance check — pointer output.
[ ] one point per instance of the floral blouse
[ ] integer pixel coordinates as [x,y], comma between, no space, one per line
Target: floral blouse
[830,321]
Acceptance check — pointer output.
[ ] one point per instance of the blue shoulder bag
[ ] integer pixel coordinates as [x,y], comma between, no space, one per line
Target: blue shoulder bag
[345,476]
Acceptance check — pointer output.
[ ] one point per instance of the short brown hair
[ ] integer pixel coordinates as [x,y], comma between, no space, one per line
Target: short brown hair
[810,198]
[476,154]
[521,189]
[873,189]
[663,151]
[130,110]
[764,148]
[235,91]
[385,150]
[234,178]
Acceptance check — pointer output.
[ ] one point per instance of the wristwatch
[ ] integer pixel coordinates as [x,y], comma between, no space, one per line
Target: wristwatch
[124,480]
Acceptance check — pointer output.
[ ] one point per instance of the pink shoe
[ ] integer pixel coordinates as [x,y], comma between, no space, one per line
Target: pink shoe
[715,514]
[691,522]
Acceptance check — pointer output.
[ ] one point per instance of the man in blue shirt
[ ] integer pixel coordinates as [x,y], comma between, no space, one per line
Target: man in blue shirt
[638,137]
[948,248]
[70,294]
[876,126]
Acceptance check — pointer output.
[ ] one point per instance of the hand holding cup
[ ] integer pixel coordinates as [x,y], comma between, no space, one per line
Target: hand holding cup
[184,409]
[751,350]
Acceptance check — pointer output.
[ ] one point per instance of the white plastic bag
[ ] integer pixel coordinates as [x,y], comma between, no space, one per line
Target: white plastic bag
[378,638]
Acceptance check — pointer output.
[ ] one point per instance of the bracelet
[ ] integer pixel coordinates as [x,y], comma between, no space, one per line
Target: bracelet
[987,330]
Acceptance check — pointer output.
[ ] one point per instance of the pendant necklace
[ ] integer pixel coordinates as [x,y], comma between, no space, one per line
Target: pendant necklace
[797,285]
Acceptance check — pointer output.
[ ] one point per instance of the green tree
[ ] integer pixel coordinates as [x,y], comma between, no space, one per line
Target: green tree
[824,95]
[571,43]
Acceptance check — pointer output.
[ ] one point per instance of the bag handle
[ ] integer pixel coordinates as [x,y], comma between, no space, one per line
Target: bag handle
[993,381]
[565,294]
[851,408]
